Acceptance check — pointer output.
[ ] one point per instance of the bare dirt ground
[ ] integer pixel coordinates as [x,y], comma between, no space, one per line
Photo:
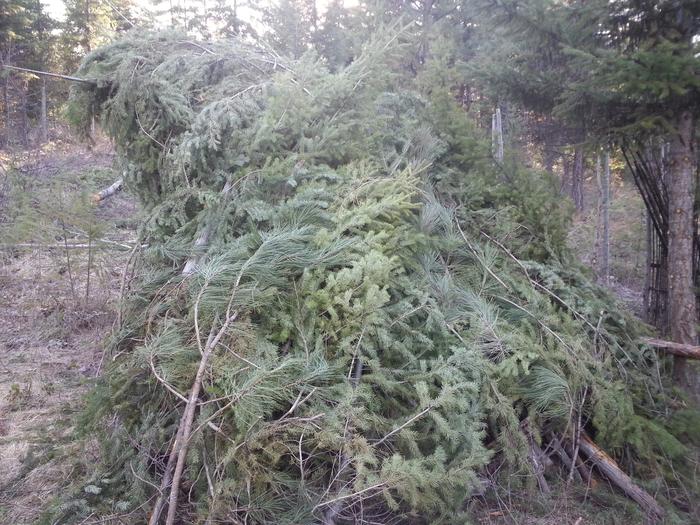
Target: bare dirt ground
[52,332]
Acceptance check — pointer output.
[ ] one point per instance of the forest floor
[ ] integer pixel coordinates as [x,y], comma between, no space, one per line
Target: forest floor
[53,331]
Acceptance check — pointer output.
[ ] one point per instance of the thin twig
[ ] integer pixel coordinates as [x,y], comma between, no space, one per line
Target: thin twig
[400,428]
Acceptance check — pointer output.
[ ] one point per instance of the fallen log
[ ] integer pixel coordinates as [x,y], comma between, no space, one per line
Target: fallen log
[680,349]
[609,468]
[108,192]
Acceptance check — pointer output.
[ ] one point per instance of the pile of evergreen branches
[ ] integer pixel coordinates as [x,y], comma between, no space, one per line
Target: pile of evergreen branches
[346,309]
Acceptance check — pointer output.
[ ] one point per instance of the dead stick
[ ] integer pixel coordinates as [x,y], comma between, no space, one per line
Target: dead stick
[564,457]
[609,468]
[185,427]
[680,349]
[47,74]
[108,192]
[538,459]
[188,418]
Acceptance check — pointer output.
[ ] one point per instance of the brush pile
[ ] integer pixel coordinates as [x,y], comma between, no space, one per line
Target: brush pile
[346,310]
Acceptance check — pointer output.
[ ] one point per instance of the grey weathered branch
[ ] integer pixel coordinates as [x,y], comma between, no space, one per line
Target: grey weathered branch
[680,349]
[109,191]
[48,74]
[94,245]
[609,468]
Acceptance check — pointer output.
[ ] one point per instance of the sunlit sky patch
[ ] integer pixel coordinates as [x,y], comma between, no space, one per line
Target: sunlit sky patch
[56,8]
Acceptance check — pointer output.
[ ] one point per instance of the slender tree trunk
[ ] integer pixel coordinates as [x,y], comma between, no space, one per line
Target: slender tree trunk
[548,132]
[87,42]
[25,116]
[426,25]
[548,158]
[577,178]
[497,135]
[44,119]
[314,16]
[681,232]
[499,124]
[648,276]
[567,166]
[605,220]
[8,111]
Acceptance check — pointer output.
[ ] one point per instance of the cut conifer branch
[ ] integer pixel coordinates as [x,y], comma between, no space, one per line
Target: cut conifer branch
[365,304]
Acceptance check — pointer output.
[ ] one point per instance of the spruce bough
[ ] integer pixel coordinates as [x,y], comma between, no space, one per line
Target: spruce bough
[371,311]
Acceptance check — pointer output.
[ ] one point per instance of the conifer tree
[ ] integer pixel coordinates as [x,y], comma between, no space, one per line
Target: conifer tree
[89,24]
[292,24]
[26,41]
[644,82]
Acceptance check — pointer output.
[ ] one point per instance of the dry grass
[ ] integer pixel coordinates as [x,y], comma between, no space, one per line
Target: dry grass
[51,344]
[50,353]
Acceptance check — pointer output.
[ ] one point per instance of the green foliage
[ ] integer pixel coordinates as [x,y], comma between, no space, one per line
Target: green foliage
[401,302]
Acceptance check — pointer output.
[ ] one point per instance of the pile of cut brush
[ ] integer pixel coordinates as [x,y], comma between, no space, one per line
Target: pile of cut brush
[346,311]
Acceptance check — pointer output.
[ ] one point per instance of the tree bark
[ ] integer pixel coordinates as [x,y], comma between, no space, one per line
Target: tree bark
[497,135]
[24,115]
[577,178]
[602,248]
[567,165]
[681,231]
[108,191]
[8,111]
[678,349]
[44,118]
[609,468]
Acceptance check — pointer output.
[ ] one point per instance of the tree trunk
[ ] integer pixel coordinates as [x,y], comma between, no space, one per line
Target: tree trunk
[8,111]
[44,119]
[497,135]
[109,191]
[605,221]
[566,173]
[426,26]
[577,178]
[681,231]
[679,349]
[87,41]
[549,157]
[24,115]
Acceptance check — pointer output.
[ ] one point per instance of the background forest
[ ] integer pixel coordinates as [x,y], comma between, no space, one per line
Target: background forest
[309,261]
